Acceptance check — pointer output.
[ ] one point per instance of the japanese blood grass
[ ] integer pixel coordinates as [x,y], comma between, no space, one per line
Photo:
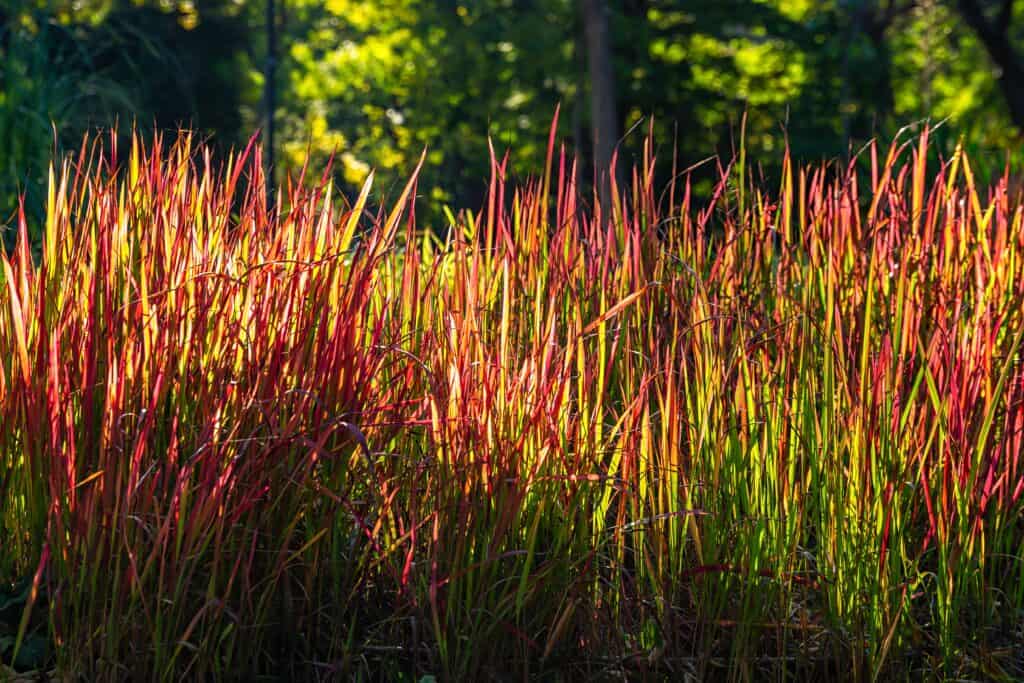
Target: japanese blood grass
[769,434]
[187,376]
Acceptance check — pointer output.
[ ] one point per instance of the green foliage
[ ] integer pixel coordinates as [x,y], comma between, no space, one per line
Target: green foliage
[70,67]
[34,650]
[374,83]
[37,80]
[377,82]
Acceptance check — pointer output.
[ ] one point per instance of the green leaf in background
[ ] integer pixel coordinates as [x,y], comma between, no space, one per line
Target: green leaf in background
[16,597]
[34,652]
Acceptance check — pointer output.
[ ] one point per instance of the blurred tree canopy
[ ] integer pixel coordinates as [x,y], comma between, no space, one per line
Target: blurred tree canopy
[71,66]
[371,83]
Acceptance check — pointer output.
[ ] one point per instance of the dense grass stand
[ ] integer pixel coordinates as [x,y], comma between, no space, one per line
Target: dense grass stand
[761,435]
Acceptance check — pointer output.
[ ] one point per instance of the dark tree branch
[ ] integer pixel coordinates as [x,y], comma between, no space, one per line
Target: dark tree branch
[974,14]
[995,35]
[1005,17]
[894,10]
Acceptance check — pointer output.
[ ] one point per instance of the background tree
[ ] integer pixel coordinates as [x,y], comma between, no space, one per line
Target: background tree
[992,22]
[604,120]
[374,82]
[67,66]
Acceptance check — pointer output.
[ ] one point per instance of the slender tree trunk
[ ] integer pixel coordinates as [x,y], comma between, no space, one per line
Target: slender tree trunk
[578,134]
[270,97]
[885,102]
[604,121]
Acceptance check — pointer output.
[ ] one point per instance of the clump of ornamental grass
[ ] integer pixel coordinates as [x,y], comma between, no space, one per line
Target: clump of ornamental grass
[766,433]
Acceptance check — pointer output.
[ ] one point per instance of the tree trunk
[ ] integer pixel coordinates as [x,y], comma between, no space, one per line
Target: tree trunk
[604,127]
[270,98]
[995,36]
